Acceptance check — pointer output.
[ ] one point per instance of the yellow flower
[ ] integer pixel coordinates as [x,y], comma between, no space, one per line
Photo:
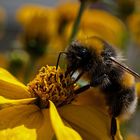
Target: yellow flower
[93,24]
[39,26]
[44,18]
[133,22]
[28,113]
[67,13]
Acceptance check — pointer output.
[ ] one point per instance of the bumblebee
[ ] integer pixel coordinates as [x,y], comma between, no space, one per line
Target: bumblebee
[100,63]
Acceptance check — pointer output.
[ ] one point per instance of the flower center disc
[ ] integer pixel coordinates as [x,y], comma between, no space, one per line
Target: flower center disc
[51,84]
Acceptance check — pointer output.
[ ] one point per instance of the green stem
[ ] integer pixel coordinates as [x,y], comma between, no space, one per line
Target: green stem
[77,21]
[29,70]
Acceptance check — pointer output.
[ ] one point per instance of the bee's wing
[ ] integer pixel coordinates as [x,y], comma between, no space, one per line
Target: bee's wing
[125,67]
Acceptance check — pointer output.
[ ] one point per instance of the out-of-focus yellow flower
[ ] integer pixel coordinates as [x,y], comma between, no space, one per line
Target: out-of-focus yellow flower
[39,26]
[67,13]
[23,117]
[133,137]
[93,24]
[134,26]
[39,17]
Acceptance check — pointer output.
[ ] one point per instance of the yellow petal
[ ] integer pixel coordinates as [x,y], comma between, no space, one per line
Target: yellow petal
[15,133]
[89,121]
[62,132]
[92,96]
[19,122]
[45,131]
[10,87]
[25,122]
[7,102]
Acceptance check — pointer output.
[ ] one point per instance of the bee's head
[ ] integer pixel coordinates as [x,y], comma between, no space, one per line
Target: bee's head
[78,55]
[91,57]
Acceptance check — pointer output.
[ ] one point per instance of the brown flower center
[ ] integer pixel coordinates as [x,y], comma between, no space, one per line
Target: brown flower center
[51,84]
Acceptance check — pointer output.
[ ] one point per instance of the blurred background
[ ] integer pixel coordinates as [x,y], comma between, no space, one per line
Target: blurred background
[33,32]
[11,26]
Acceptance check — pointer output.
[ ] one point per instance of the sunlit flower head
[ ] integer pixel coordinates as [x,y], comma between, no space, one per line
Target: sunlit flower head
[52,84]
[29,111]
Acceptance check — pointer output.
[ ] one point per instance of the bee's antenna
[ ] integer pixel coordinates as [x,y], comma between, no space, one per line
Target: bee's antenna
[125,67]
[59,58]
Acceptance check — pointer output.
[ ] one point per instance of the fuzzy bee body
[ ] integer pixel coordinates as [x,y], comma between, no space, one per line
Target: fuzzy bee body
[91,57]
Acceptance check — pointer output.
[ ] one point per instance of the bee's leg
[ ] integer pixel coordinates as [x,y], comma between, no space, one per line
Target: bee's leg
[82,89]
[113,127]
[116,109]
[78,77]
[70,71]
[59,58]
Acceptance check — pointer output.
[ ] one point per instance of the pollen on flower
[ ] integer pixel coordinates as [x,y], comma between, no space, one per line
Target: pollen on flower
[52,84]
